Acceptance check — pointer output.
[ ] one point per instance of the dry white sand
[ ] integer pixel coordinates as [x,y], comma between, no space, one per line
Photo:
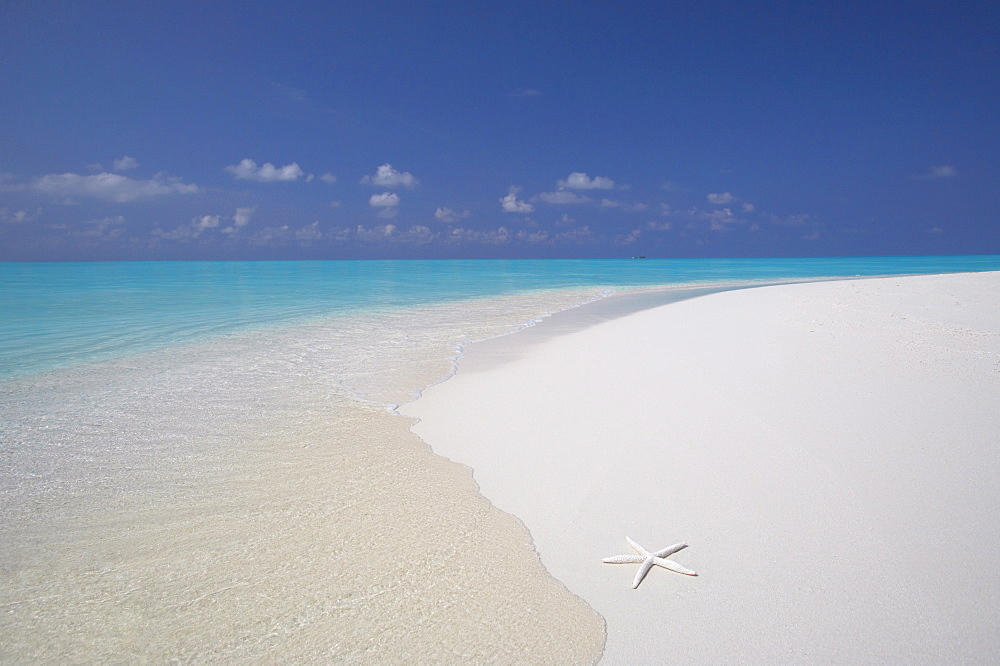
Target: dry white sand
[830,451]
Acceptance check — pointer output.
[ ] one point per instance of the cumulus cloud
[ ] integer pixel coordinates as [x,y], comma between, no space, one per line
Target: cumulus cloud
[103,228]
[125,163]
[387,203]
[721,199]
[540,236]
[579,181]
[498,236]
[328,178]
[579,235]
[247,169]
[628,239]
[608,203]
[511,204]
[241,218]
[109,186]
[310,232]
[386,176]
[189,231]
[563,197]
[939,172]
[721,220]
[203,222]
[448,215]
[417,235]
[270,236]
[8,216]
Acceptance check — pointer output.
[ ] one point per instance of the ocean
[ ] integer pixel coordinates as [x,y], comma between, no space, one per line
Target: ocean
[200,460]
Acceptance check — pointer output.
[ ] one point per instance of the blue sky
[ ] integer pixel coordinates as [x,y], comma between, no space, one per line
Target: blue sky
[240,130]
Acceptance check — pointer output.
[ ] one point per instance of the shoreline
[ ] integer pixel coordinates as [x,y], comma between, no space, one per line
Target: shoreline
[745,422]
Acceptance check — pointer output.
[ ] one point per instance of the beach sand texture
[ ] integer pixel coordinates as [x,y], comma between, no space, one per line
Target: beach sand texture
[252,499]
[828,450]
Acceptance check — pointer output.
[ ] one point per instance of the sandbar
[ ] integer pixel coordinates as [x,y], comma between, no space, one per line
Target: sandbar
[829,451]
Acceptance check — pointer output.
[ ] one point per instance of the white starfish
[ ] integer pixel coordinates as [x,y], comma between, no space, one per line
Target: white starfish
[648,559]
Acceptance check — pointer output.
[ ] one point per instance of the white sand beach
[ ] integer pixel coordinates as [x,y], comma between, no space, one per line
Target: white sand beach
[828,450]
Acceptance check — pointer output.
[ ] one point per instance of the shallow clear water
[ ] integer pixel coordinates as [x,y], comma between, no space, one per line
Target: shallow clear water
[58,314]
[197,460]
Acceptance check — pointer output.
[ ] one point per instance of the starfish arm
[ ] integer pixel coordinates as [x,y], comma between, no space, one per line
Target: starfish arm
[637,548]
[673,566]
[624,559]
[667,552]
[647,564]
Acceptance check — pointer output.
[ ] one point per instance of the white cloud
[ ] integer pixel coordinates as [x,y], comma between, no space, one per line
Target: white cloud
[110,186]
[418,234]
[579,235]
[387,203]
[748,207]
[203,222]
[939,172]
[498,236]
[563,197]
[310,232]
[448,215]
[241,218]
[383,232]
[335,204]
[188,231]
[328,178]
[8,216]
[511,204]
[386,176]
[608,203]
[247,169]
[540,236]
[125,163]
[719,219]
[630,238]
[579,181]
[270,235]
[721,199]
[105,227]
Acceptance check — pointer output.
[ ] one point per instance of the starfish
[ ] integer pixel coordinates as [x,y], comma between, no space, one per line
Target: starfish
[648,559]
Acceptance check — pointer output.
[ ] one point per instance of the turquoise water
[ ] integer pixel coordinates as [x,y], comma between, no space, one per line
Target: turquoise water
[60,314]
[198,453]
